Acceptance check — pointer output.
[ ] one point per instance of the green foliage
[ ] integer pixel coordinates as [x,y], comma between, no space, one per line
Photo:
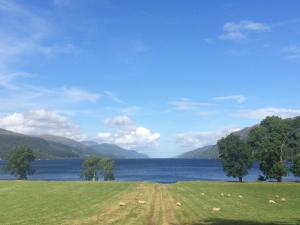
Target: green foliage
[107,169]
[93,165]
[296,166]
[235,156]
[19,162]
[266,141]
[90,168]
[278,171]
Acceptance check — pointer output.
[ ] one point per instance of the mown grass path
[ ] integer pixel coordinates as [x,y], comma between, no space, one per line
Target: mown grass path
[148,203]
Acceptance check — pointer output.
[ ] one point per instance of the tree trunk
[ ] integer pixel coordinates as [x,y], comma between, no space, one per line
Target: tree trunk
[279,179]
[94,177]
[240,179]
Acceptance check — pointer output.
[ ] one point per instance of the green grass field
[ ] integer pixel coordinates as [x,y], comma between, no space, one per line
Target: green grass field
[37,202]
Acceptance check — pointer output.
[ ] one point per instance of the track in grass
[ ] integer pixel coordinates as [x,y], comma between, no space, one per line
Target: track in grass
[148,203]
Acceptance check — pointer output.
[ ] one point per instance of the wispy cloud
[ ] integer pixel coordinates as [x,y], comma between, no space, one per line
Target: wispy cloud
[292,52]
[113,97]
[119,121]
[18,40]
[80,95]
[237,98]
[261,113]
[186,104]
[199,139]
[241,30]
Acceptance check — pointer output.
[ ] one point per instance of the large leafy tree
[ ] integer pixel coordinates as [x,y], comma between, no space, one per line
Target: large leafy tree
[107,169]
[235,156]
[266,142]
[19,162]
[90,168]
[94,166]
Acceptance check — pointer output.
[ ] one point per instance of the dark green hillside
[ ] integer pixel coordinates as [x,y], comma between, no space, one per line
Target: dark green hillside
[42,149]
[55,147]
[114,151]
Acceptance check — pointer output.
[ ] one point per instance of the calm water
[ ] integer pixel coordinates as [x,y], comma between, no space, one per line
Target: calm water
[156,170]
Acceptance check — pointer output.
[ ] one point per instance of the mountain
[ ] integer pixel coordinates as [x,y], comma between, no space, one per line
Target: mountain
[113,151]
[206,152]
[55,147]
[211,151]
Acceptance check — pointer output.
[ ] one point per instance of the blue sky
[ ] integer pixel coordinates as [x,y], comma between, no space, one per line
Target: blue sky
[162,77]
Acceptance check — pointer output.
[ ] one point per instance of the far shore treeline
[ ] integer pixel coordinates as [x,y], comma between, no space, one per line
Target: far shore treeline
[272,143]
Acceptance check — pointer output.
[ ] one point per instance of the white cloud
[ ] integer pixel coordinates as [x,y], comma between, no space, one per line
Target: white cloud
[193,140]
[262,113]
[80,95]
[112,96]
[121,121]
[128,134]
[292,52]
[136,138]
[41,121]
[187,104]
[240,30]
[238,98]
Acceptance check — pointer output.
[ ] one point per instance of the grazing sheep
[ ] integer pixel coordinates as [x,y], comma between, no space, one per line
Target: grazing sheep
[142,202]
[222,194]
[202,194]
[283,199]
[122,204]
[178,204]
[228,195]
[240,196]
[216,209]
[272,201]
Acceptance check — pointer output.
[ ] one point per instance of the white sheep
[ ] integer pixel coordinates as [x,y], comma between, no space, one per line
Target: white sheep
[202,194]
[142,202]
[240,196]
[122,204]
[283,199]
[222,194]
[178,204]
[216,209]
[272,202]
[228,195]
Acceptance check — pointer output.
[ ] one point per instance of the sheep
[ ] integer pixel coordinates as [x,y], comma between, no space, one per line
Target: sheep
[202,194]
[178,204]
[272,202]
[240,196]
[216,209]
[142,202]
[228,195]
[122,204]
[283,199]
[222,194]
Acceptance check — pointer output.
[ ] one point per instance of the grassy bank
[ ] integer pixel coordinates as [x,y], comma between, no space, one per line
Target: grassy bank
[99,203]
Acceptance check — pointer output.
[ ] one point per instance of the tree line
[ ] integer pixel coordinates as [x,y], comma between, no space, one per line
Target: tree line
[20,158]
[272,143]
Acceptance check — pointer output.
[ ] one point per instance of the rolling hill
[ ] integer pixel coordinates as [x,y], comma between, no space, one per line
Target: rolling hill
[54,147]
